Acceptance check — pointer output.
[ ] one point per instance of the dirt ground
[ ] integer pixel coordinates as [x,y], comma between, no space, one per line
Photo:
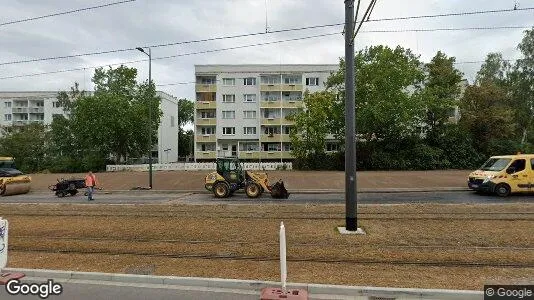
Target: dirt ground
[416,245]
[295,180]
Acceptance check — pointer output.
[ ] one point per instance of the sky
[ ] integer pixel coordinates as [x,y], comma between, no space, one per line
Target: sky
[153,22]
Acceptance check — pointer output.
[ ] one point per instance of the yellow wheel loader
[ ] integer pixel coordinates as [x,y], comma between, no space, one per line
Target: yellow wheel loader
[12,181]
[230,177]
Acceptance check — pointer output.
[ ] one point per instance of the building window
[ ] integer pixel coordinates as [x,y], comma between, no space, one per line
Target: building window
[272,130]
[207,114]
[56,104]
[292,80]
[172,121]
[7,104]
[271,96]
[249,130]
[288,129]
[332,147]
[273,147]
[228,114]
[249,114]
[206,80]
[7,117]
[271,113]
[56,116]
[228,130]
[207,130]
[248,146]
[228,98]
[249,81]
[228,81]
[287,147]
[312,81]
[207,147]
[249,97]
[270,80]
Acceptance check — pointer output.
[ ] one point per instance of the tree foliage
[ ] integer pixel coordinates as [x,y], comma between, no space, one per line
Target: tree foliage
[186,110]
[27,144]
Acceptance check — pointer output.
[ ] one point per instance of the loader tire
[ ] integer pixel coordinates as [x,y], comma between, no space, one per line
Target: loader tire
[221,190]
[253,190]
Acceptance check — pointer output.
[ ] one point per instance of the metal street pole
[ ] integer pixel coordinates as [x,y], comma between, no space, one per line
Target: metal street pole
[150,119]
[149,115]
[350,128]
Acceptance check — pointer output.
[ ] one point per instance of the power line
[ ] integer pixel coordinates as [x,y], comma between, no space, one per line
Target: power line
[64,13]
[171,56]
[260,33]
[265,43]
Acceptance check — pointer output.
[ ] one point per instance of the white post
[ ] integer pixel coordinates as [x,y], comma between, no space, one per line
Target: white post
[283,267]
[3,243]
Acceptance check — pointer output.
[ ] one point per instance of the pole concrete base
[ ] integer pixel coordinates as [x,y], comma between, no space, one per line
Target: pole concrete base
[343,230]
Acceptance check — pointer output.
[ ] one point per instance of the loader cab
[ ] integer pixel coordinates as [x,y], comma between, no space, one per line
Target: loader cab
[231,170]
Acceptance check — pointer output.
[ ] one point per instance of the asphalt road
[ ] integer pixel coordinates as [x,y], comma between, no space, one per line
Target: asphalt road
[144,197]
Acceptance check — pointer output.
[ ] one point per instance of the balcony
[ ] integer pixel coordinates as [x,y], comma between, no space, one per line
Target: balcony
[205,155]
[267,104]
[291,87]
[270,87]
[276,155]
[287,122]
[23,110]
[249,155]
[21,122]
[271,121]
[292,104]
[205,88]
[275,138]
[37,110]
[205,138]
[206,121]
[206,104]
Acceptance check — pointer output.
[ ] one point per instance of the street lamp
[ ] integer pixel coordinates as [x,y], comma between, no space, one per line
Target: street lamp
[149,115]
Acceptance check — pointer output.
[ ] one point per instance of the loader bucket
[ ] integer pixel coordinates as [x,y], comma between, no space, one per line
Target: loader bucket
[278,190]
[15,185]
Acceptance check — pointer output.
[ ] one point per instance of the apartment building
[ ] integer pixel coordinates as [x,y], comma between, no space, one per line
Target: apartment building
[22,108]
[242,110]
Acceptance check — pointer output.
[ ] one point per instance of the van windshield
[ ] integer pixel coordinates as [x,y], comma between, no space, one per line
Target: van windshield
[495,164]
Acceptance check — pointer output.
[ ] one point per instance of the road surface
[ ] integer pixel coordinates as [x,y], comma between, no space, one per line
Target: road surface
[144,197]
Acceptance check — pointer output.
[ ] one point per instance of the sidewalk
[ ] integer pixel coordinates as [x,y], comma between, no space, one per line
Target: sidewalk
[227,287]
[294,180]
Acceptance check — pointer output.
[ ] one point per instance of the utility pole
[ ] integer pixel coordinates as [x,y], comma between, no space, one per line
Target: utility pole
[149,114]
[350,126]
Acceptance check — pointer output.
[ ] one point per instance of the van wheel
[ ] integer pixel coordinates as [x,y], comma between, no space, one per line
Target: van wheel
[502,190]
[221,190]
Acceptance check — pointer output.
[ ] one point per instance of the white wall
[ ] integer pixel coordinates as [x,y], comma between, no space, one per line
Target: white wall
[168,129]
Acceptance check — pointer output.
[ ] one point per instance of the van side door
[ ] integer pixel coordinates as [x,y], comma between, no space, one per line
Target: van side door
[520,175]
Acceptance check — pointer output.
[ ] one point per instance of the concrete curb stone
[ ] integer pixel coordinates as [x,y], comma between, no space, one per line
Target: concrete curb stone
[255,285]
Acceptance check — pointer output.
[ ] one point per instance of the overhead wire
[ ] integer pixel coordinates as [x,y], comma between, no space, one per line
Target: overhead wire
[262,33]
[64,13]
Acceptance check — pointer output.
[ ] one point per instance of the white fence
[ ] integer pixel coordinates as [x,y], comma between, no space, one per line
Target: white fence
[268,166]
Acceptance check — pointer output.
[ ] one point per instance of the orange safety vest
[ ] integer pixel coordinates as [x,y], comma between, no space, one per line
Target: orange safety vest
[90,180]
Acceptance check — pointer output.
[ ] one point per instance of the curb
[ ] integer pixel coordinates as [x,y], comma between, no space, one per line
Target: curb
[254,285]
[317,191]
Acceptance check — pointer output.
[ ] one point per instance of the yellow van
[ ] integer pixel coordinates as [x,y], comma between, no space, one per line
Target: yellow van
[504,175]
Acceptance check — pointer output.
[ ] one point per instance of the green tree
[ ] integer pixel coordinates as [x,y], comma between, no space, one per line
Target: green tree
[386,108]
[486,114]
[28,145]
[114,120]
[494,70]
[522,86]
[186,111]
[440,94]
[311,127]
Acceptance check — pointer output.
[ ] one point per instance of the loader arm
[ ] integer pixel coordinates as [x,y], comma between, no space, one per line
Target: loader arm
[260,178]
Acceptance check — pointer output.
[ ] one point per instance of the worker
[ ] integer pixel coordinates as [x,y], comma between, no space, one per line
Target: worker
[90,183]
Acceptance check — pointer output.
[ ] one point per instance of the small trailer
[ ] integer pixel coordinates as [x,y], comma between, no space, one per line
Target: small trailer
[64,187]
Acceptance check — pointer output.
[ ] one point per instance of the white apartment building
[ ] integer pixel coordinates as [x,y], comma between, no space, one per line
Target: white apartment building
[241,110]
[22,108]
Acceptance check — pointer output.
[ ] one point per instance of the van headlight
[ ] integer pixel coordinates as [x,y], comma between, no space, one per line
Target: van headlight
[212,177]
[488,178]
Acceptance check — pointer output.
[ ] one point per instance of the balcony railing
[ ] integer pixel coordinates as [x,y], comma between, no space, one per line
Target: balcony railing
[275,138]
[205,155]
[275,103]
[206,104]
[206,121]
[201,88]
[206,138]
